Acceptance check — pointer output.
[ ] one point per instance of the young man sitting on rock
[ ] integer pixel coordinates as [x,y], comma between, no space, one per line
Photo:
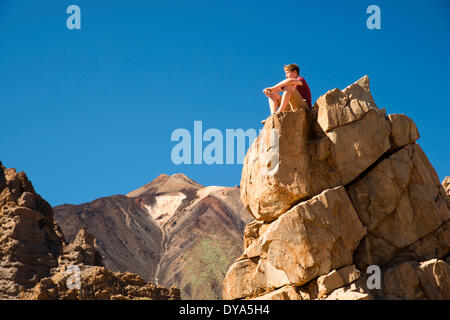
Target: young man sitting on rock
[296,93]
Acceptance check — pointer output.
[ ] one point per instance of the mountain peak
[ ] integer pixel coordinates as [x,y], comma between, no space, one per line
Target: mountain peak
[164,184]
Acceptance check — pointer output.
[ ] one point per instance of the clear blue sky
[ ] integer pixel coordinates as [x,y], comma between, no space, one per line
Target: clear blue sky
[89,113]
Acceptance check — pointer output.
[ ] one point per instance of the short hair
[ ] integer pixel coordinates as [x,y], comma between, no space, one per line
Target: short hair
[292,67]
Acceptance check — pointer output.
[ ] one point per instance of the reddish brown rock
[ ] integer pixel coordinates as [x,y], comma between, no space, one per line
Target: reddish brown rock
[98,283]
[34,255]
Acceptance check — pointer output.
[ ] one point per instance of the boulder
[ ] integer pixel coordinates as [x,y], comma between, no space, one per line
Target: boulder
[311,239]
[240,281]
[336,279]
[403,130]
[359,144]
[413,280]
[284,293]
[337,108]
[399,201]
[355,291]
[275,173]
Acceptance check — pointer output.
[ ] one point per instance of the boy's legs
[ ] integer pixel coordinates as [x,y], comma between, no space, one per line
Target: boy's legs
[274,102]
[296,101]
[291,100]
[287,93]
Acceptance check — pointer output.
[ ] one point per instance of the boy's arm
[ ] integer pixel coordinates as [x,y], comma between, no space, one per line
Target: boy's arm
[279,86]
[286,82]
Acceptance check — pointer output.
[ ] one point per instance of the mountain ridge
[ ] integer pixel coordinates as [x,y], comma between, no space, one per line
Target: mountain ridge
[183,218]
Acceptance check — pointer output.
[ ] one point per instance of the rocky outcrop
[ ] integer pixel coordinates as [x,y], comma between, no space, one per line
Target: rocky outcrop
[98,283]
[35,257]
[127,238]
[172,232]
[30,242]
[337,189]
[285,249]
[299,154]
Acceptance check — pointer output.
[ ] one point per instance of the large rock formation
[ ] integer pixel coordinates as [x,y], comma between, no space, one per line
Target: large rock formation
[172,231]
[346,135]
[36,261]
[337,189]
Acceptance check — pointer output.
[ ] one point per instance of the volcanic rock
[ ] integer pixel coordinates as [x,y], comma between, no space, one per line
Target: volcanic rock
[35,257]
[344,188]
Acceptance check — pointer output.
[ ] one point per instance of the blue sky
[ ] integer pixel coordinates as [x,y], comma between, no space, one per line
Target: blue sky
[89,113]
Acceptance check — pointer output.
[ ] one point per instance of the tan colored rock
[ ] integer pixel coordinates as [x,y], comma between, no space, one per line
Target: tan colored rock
[337,108]
[269,277]
[240,281]
[417,281]
[333,110]
[446,185]
[399,201]
[359,144]
[253,250]
[313,238]
[359,93]
[355,291]
[303,242]
[403,130]
[309,240]
[306,160]
[329,282]
[336,279]
[251,232]
[284,293]
[253,239]
[276,175]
